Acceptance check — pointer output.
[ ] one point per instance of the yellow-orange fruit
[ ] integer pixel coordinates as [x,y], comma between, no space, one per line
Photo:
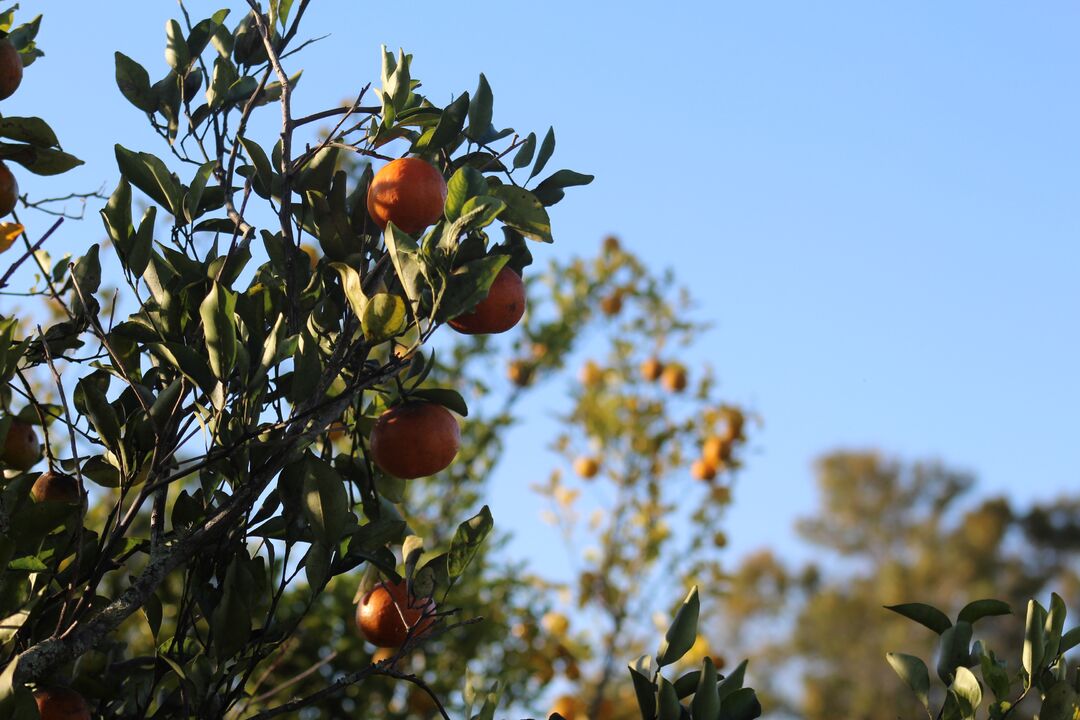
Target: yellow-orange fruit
[520,372]
[591,373]
[499,311]
[673,378]
[734,421]
[61,704]
[386,614]
[716,450]
[612,304]
[11,69]
[703,470]
[52,486]
[651,369]
[414,440]
[586,467]
[21,447]
[9,190]
[408,192]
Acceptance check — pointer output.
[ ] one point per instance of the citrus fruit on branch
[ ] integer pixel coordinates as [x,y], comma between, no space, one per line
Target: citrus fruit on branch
[414,440]
[408,192]
[499,311]
[388,613]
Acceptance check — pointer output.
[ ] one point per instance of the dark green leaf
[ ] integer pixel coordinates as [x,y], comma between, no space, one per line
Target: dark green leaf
[523,212]
[978,609]
[470,534]
[524,155]
[217,311]
[448,398]
[134,83]
[480,109]
[680,636]
[547,147]
[706,704]
[923,614]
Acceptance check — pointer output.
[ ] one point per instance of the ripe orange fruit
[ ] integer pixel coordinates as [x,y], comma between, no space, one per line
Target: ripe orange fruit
[382,654]
[61,704]
[586,467]
[499,311]
[11,69]
[409,192]
[703,470]
[673,378]
[716,450]
[651,369]
[9,190]
[520,372]
[386,614]
[414,440]
[21,447]
[591,373]
[612,304]
[56,487]
[611,244]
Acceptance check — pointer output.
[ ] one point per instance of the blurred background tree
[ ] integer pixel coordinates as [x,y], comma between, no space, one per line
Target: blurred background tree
[888,532]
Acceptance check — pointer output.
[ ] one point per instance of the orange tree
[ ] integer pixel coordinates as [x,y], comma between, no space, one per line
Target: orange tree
[198,423]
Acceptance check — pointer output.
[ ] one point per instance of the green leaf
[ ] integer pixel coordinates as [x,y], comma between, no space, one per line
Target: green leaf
[230,623]
[38,160]
[667,702]
[733,681]
[968,692]
[1034,641]
[1069,640]
[480,109]
[326,503]
[149,174]
[481,211]
[384,317]
[995,676]
[978,609]
[195,192]
[264,174]
[564,179]
[91,402]
[32,130]
[740,705]
[448,129]
[706,704]
[176,49]
[447,397]
[523,212]
[217,311]
[954,651]
[142,243]
[645,692]
[469,284]
[912,671]
[680,636]
[1055,623]
[467,182]
[117,217]
[524,155]
[923,614]
[547,147]
[1061,703]
[134,83]
[405,256]
[467,540]
[187,361]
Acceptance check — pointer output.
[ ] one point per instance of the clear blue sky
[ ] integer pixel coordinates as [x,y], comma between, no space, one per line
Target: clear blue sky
[878,204]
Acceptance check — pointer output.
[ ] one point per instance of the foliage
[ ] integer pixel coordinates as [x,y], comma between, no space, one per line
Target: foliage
[889,532]
[202,424]
[1042,668]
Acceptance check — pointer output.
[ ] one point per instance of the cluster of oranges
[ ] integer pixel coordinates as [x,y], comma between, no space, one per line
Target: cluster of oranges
[418,439]
[671,376]
[718,447]
[11,74]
